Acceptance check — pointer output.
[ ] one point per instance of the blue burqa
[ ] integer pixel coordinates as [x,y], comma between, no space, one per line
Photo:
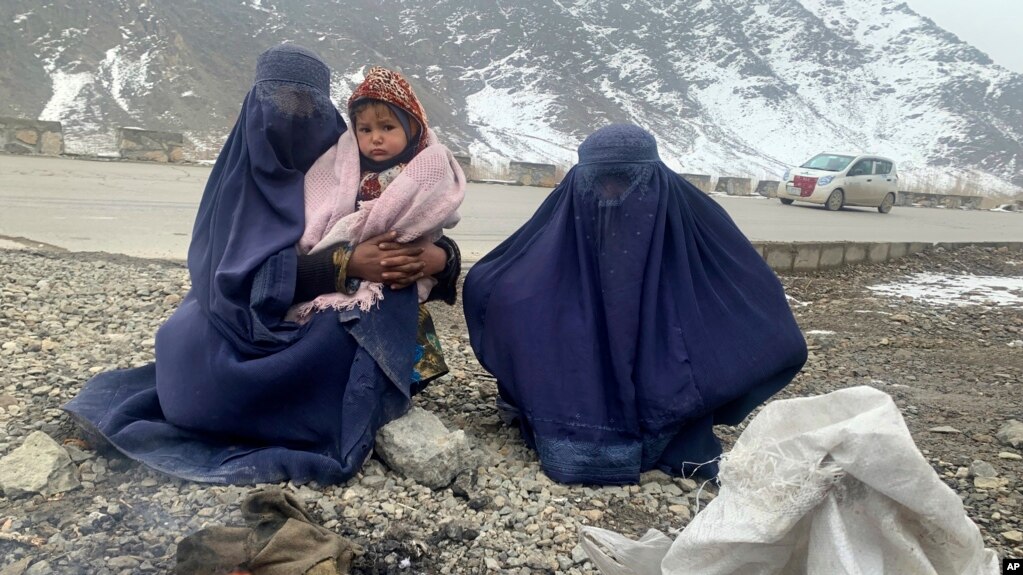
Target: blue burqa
[237,394]
[627,317]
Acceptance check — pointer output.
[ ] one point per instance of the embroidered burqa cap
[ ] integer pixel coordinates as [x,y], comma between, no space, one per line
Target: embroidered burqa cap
[619,143]
[627,317]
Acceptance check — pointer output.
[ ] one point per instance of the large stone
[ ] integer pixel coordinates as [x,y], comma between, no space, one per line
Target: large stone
[418,446]
[530,174]
[53,144]
[983,469]
[655,476]
[17,568]
[30,137]
[40,465]
[990,482]
[1011,433]
[17,148]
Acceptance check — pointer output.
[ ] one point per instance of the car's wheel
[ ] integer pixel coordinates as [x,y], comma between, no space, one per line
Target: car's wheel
[786,201]
[887,203]
[835,201]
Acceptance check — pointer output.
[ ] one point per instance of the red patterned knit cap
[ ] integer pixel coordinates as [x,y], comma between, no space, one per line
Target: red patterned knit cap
[391,87]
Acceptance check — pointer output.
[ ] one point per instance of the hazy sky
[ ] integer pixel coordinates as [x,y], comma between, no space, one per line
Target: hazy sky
[993,26]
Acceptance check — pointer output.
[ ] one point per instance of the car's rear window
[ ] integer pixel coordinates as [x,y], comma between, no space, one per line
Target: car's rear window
[828,162]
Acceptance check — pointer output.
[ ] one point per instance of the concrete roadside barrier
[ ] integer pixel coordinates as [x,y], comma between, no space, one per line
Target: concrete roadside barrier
[813,256]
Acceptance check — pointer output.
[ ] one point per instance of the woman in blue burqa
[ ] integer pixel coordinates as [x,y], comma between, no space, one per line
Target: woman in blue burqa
[237,393]
[626,318]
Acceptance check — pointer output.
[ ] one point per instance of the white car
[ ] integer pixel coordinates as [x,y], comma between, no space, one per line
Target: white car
[837,180]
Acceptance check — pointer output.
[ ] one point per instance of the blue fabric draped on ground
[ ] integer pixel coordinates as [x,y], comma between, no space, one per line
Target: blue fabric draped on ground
[627,317]
[237,394]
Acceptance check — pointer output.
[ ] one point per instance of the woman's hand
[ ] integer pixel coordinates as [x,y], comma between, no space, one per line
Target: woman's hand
[404,270]
[367,259]
[382,259]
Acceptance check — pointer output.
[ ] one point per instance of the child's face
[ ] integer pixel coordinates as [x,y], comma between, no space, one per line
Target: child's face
[379,133]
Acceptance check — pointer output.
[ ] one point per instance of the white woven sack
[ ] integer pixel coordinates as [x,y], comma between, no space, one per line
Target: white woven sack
[825,485]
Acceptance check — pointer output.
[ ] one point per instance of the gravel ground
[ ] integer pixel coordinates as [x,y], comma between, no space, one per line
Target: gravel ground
[66,316]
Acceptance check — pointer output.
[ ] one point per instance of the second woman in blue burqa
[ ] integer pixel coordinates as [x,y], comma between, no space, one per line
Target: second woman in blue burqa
[627,317]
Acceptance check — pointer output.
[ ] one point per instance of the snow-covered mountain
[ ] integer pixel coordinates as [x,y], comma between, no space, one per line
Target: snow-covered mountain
[729,87]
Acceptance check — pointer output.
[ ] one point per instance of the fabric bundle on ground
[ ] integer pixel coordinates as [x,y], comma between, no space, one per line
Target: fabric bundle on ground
[237,393]
[627,317]
[827,485]
[280,539]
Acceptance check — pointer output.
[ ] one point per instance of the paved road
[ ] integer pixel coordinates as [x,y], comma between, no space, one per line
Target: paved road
[147,210]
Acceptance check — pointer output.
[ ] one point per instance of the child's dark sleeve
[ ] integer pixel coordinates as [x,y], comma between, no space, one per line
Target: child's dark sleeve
[446,289]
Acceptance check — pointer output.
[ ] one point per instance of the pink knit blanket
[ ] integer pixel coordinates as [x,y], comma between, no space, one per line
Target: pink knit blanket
[420,202]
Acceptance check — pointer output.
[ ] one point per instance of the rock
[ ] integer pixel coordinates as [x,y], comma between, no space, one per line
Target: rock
[418,446]
[1014,536]
[983,469]
[681,511]
[594,515]
[944,429]
[17,568]
[989,482]
[464,484]
[1011,433]
[481,502]
[40,465]
[123,562]
[686,484]
[374,481]
[77,455]
[654,476]
[40,568]
[579,554]
[1010,456]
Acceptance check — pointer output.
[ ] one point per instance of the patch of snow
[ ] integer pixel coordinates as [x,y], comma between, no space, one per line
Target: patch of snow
[19,18]
[795,301]
[67,94]
[514,122]
[947,289]
[1005,208]
[820,332]
[126,77]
